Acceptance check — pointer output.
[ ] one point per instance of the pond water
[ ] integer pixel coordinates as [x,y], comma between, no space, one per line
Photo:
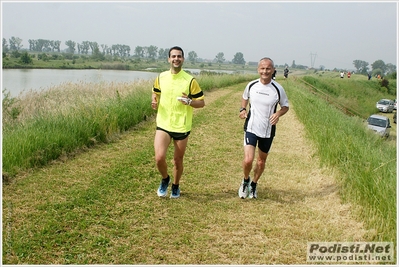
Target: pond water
[19,81]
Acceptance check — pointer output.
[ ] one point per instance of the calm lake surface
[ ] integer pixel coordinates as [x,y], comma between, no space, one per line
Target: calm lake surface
[18,81]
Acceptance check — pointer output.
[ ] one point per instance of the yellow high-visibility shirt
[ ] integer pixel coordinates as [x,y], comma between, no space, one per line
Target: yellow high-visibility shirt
[173,115]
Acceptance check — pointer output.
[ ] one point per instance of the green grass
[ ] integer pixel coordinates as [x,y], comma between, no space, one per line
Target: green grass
[366,162]
[100,206]
[356,93]
[43,126]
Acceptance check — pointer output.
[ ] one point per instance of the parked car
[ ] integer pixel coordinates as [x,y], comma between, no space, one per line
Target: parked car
[380,124]
[394,117]
[385,105]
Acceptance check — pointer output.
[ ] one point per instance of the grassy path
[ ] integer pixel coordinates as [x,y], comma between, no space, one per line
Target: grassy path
[101,207]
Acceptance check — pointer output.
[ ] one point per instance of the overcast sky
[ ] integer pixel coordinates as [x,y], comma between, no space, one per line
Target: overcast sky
[332,34]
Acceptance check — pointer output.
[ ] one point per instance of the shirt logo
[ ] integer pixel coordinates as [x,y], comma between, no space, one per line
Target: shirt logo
[262,93]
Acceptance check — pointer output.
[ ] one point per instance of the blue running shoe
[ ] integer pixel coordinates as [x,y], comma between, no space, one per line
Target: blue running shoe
[175,192]
[163,188]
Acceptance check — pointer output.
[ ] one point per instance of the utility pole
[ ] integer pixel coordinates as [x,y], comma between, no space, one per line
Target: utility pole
[312,60]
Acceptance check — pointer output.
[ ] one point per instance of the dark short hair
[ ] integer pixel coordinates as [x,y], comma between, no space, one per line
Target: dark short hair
[177,48]
[267,58]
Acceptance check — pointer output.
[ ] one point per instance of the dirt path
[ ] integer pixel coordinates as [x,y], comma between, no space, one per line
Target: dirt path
[297,200]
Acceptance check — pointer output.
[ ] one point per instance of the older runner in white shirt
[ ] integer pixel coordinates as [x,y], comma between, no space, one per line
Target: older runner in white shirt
[263,96]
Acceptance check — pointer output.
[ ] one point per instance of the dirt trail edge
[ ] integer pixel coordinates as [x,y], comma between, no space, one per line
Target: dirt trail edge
[104,206]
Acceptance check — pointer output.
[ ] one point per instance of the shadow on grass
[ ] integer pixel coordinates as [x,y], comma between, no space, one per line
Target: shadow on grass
[264,194]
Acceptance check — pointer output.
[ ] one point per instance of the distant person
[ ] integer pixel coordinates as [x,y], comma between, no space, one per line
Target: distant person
[286,71]
[174,117]
[349,74]
[369,76]
[342,74]
[274,74]
[264,94]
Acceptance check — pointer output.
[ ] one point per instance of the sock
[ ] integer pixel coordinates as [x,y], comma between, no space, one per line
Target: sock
[166,179]
[253,185]
[246,180]
[175,186]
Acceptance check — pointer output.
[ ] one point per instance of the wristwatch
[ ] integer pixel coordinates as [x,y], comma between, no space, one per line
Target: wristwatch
[241,109]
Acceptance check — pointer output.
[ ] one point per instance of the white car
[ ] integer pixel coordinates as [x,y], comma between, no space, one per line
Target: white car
[380,124]
[385,105]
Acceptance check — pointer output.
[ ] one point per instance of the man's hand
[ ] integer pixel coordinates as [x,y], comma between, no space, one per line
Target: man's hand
[274,119]
[154,102]
[243,114]
[185,99]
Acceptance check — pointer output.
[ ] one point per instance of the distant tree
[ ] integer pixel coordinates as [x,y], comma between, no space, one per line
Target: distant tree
[5,46]
[376,72]
[220,57]
[152,51]
[126,50]
[25,58]
[43,56]
[97,55]
[56,46]
[41,45]
[361,66]
[163,53]
[15,43]
[93,46]
[15,54]
[71,46]
[104,48]
[139,52]
[84,47]
[390,68]
[293,64]
[192,56]
[238,58]
[379,64]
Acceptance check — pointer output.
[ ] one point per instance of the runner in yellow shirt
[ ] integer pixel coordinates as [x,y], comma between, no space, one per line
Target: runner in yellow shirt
[174,95]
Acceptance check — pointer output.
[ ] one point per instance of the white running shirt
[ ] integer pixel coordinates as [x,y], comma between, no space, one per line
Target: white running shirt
[263,100]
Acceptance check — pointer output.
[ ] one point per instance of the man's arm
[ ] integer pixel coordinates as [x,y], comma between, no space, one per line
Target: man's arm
[243,113]
[154,101]
[275,117]
[198,103]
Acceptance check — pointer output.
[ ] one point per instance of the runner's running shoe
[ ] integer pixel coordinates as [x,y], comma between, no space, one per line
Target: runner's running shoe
[244,190]
[175,192]
[163,188]
[253,193]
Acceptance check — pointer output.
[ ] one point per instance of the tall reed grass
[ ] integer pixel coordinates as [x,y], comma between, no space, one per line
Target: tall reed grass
[356,93]
[366,163]
[41,126]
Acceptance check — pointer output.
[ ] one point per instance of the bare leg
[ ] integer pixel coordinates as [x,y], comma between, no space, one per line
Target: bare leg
[161,144]
[260,165]
[249,154]
[180,149]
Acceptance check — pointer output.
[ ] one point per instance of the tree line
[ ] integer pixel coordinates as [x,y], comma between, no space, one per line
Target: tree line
[378,67]
[121,51]
[101,51]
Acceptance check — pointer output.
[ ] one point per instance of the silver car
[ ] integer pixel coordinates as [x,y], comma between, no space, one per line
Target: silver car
[385,105]
[380,124]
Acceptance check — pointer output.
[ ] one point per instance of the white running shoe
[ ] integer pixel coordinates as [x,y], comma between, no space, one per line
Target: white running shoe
[163,188]
[253,193]
[244,190]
